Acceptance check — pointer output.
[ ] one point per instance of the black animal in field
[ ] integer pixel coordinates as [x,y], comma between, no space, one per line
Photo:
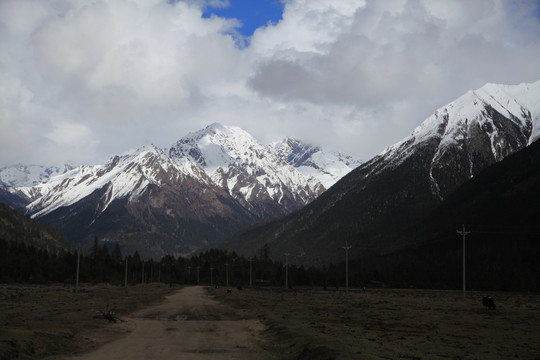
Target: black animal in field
[488,302]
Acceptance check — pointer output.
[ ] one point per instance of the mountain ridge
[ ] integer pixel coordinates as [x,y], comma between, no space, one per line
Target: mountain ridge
[406,180]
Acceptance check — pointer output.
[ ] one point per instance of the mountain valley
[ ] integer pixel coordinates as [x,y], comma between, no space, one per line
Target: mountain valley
[220,187]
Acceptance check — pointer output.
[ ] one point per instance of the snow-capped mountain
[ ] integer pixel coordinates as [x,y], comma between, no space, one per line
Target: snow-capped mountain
[373,204]
[125,176]
[204,187]
[227,157]
[24,182]
[30,175]
[251,172]
[471,133]
[326,166]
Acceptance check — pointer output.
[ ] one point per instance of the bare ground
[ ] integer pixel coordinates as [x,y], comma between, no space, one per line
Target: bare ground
[40,321]
[187,325]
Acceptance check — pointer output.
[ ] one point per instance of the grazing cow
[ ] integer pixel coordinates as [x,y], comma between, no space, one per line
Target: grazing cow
[229,291]
[488,302]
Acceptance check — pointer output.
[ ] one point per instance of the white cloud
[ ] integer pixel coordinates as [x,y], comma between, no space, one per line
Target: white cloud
[90,79]
[124,55]
[395,60]
[307,26]
[71,135]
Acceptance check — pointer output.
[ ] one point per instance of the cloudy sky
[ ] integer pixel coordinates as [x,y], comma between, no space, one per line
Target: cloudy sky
[82,80]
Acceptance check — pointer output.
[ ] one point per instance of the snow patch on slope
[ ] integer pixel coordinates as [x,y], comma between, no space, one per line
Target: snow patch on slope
[312,161]
[490,110]
[122,176]
[450,123]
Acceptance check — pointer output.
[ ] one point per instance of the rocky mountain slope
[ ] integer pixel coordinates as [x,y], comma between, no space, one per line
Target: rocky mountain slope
[388,193]
[499,208]
[12,200]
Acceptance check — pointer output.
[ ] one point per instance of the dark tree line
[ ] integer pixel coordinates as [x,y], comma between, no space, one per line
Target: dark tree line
[24,263]
[491,265]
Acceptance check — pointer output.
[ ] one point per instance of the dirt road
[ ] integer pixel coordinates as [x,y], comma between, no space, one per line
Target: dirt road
[188,325]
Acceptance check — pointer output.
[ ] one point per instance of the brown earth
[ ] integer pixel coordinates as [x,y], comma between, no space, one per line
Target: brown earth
[188,325]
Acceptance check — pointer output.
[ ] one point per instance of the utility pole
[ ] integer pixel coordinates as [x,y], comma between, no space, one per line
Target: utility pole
[227,272]
[464,234]
[287,270]
[251,271]
[347,247]
[142,275]
[78,266]
[125,274]
[198,267]
[211,275]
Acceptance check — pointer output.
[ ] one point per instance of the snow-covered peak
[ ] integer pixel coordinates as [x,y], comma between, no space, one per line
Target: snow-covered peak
[312,161]
[216,146]
[464,137]
[294,151]
[529,98]
[518,103]
[244,167]
[29,175]
[223,156]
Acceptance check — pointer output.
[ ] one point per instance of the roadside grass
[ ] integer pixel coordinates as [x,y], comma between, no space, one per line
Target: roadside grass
[39,321]
[309,323]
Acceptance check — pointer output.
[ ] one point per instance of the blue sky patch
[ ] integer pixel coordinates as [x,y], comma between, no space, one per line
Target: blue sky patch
[252,13]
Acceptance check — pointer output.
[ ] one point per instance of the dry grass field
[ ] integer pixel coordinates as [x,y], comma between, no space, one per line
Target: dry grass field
[393,324]
[40,321]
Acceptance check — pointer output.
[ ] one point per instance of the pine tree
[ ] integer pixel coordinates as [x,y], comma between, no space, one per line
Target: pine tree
[117,254]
